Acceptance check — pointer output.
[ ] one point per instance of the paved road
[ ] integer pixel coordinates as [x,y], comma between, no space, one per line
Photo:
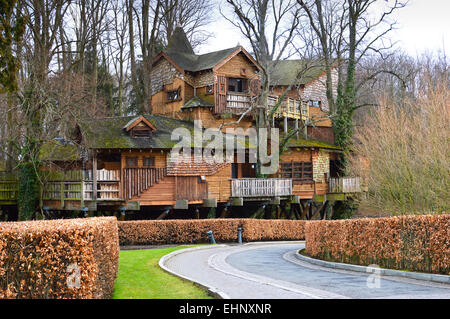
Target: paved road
[272,271]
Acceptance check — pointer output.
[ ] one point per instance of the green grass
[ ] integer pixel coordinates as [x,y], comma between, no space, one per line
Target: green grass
[140,277]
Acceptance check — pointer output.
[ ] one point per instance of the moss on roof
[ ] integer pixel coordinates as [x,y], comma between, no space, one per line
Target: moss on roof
[285,71]
[196,102]
[55,151]
[108,133]
[302,142]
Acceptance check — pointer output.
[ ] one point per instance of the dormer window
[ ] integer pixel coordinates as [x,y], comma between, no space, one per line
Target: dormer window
[141,131]
[140,127]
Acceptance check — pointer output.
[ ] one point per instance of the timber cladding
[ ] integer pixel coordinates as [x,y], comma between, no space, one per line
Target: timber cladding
[155,232]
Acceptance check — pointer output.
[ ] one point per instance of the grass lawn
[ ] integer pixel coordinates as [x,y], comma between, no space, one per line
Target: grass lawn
[140,277]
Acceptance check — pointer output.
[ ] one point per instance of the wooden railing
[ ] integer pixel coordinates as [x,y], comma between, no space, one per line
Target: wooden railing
[137,180]
[289,107]
[344,185]
[79,185]
[261,187]
[9,185]
[238,101]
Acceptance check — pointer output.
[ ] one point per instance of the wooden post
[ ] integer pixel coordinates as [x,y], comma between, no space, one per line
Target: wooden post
[94,175]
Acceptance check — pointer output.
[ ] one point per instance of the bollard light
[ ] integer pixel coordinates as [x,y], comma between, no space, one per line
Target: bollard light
[211,236]
[85,211]
[240,235]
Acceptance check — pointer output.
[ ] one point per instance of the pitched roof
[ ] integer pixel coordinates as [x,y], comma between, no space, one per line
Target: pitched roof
[179,42]
[103,133]
[57,151]
[135,121]
[109,133]
[180,51]
[302,142]
[196,102]
[284,72]
[194,63]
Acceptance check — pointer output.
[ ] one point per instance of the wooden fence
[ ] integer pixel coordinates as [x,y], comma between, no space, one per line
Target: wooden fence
[261,187]
[345,185]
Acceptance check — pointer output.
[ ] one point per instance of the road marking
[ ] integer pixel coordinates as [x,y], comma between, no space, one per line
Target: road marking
[218,262]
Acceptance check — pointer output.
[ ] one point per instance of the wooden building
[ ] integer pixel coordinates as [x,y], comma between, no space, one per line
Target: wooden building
[125,164]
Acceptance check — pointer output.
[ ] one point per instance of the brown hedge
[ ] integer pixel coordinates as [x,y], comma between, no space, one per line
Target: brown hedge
[35,256]
[152,232]
[417,243]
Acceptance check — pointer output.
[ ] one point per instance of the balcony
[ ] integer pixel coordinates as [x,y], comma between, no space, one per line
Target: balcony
[289,107]
[344,185]
[237,102]
[79,185]
[261,187]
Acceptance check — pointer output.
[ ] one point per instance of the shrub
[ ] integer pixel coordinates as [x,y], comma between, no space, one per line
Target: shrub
[151,232]
[417,243]
[37,258]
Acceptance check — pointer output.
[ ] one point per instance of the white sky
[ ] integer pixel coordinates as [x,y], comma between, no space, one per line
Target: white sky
[424,25]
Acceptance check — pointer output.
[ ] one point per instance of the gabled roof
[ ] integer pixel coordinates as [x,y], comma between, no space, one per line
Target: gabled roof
[135,121]
[179,52]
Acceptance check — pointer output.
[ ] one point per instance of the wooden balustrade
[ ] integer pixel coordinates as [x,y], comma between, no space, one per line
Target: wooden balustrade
[344,185]
[137,180]
[261,187]
[289,107]
[238,101]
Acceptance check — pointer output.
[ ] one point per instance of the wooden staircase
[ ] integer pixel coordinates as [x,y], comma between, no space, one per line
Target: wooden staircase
[138,180]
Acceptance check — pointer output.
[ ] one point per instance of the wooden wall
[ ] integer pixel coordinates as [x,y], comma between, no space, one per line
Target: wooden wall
[233,67]
[160,105]
[219,184]
[160,158]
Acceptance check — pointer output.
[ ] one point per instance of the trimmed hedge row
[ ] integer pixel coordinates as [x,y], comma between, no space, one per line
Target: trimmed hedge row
[44,259]
[152,232]
[417,243]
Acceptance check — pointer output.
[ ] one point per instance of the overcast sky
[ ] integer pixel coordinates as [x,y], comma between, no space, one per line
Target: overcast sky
[423,25]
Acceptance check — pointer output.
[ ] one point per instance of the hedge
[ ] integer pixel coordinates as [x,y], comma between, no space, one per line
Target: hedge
[415,243]
[41,259]
[152,232]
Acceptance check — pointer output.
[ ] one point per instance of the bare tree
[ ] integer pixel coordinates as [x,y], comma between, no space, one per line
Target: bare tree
[192,15]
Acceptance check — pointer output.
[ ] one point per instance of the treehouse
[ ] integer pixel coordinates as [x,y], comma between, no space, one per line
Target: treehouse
[126,164]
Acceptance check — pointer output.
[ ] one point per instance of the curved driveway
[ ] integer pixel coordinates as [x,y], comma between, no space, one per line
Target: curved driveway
[271,270]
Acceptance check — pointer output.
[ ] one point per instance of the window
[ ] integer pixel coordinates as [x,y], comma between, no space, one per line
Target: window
[314,103]
[173,95]
[210,89]
[131,161]
[237,85]
[140,132]
[149,161]
[300,172]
